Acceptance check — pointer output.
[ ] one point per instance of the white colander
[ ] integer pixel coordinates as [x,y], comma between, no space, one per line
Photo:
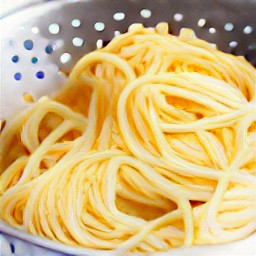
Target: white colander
[42,40]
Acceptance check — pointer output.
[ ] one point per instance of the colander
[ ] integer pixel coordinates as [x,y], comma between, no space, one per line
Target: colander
[42,40]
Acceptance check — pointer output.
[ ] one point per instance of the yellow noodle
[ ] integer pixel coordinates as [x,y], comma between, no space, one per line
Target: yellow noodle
[150,145]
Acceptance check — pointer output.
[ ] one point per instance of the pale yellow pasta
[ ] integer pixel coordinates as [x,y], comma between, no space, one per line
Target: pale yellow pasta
[149,146]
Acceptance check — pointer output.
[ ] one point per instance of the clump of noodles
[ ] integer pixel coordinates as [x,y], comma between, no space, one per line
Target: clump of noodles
[149,146]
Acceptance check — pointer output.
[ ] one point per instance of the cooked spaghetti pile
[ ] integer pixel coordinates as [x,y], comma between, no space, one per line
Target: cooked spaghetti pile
[150,145]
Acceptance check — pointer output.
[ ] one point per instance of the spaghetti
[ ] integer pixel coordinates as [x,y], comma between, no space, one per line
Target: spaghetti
[149,146]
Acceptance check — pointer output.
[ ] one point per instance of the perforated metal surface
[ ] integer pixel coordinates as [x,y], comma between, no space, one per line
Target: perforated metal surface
[41,43]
